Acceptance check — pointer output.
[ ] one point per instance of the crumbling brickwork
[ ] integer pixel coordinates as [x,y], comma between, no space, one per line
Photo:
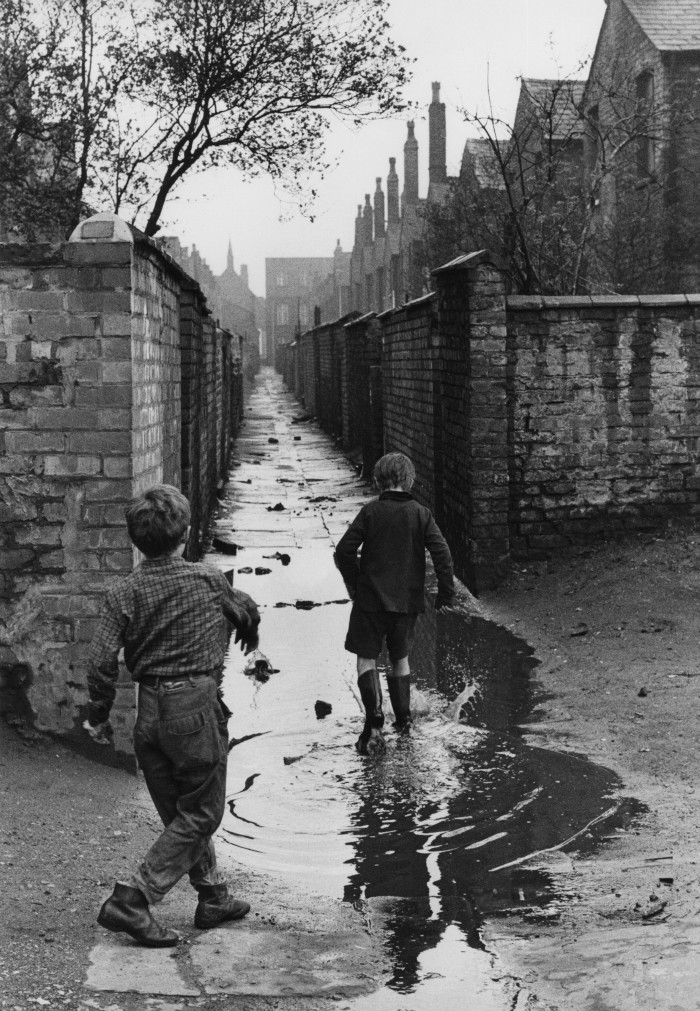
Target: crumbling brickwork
[91,382]
[534,422]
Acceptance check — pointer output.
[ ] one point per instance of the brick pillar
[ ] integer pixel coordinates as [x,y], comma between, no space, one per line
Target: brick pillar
[474,417]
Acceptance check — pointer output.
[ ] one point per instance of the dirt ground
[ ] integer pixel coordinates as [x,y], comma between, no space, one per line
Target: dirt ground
[616,630]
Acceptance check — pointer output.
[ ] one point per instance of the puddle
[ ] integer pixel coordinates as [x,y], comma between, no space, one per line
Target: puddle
[432,836]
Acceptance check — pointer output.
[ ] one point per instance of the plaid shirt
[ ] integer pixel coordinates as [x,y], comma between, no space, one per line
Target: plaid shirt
[168,616]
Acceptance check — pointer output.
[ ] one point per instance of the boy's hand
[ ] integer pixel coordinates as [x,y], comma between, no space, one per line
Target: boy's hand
[101,733]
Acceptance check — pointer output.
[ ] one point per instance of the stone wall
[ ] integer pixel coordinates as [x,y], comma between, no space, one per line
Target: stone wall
[604,401]
[91,377]
[533,422]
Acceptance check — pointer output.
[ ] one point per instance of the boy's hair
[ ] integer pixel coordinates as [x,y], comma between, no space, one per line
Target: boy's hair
[158,519]
[394,470]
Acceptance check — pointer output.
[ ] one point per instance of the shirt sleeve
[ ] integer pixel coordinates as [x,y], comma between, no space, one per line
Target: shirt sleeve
[103,661]
[239,608]
[442,562]
[345,555]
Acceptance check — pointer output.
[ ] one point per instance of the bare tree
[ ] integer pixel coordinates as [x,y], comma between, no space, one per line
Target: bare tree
[155,91]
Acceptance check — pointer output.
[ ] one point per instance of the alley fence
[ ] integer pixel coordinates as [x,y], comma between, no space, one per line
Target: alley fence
[113,377]
[534,422]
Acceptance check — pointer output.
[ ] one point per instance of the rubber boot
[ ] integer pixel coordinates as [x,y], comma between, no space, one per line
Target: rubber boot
[126,911]
[371,740]
[400,697]
[215,906]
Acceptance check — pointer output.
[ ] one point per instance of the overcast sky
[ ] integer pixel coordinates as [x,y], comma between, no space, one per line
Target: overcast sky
[466,45]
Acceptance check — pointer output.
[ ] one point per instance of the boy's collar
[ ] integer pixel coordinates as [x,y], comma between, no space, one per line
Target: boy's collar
[401,495]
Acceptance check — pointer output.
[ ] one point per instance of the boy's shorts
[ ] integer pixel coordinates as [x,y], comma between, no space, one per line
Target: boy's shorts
[368,629]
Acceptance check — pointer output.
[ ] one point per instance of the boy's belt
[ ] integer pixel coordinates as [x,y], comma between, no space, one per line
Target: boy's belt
[153,681]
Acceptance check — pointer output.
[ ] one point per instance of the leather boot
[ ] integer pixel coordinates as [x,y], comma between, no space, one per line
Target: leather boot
[400,697]
[216,905]
[126,911]
[371,740]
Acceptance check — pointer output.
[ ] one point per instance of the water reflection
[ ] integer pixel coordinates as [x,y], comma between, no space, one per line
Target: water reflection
[415,836]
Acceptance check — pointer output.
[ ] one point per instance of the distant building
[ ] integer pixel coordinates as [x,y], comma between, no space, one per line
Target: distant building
[301,292]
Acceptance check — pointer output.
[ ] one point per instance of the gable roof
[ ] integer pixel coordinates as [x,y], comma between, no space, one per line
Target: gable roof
[560,99]
[671,25]
[478,155]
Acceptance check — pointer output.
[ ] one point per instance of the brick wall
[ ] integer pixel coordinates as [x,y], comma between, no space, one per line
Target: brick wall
[409,392]
[533,422]
[90,414]
[605,417]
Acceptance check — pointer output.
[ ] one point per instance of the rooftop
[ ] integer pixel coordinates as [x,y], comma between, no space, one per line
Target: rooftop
[671,25]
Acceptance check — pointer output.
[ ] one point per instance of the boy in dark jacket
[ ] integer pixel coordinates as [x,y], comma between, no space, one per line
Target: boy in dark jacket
[387,587]
[171,618]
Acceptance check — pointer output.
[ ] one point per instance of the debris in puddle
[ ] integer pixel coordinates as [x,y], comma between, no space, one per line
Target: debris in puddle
[278,508]
[322,709]
[305,605]
[273,440]
[225,547]
[654,910]
[299,419]
[245,570]
[297,438]
[281,556]
[323,498]
[260,570]
[642,693]
[259,667]
[282,603]
[580,629]
[290,760]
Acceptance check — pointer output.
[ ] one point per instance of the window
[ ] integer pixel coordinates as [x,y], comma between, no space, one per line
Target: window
[282,313]
[646,148]
[281,280]
[303,315]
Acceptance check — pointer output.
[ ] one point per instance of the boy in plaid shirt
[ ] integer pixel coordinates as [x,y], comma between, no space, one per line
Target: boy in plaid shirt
[170,618]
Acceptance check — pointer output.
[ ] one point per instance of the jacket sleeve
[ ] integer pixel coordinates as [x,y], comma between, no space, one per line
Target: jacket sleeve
[442,562]
[103,662]
[345,555]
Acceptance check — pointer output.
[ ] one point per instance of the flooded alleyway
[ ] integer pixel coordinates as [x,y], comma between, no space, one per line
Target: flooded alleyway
[418,848]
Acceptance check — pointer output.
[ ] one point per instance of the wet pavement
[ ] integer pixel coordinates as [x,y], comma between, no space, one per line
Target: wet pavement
[416,851]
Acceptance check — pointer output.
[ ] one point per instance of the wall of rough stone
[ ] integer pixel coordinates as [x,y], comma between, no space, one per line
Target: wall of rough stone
[91,379]
[533,422]
[604,401]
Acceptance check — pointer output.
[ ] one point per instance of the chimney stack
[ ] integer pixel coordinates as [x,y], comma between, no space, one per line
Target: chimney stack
[392,194]
[410,167]
[379,226]
[244,274]
[358,226]
[367,223]
[437,156]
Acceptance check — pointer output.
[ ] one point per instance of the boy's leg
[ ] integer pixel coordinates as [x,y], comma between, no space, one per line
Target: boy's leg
[399,685]
[371,740]
[364,639]
[399,639]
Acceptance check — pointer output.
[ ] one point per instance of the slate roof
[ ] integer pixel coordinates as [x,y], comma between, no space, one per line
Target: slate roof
[671,25]
[479,155]
[567,97]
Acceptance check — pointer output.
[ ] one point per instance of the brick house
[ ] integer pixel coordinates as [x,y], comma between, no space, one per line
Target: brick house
[642,108]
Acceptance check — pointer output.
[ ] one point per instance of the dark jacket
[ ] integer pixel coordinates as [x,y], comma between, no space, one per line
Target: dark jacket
[394,532]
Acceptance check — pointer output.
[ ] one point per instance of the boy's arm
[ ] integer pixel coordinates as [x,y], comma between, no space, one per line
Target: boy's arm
[242,611]
[345,554]
[442,563]
[103,664]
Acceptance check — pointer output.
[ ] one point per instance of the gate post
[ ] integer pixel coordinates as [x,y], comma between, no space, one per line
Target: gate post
[472,373]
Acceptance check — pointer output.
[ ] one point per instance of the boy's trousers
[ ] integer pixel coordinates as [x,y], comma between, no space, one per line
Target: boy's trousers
[181,744]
